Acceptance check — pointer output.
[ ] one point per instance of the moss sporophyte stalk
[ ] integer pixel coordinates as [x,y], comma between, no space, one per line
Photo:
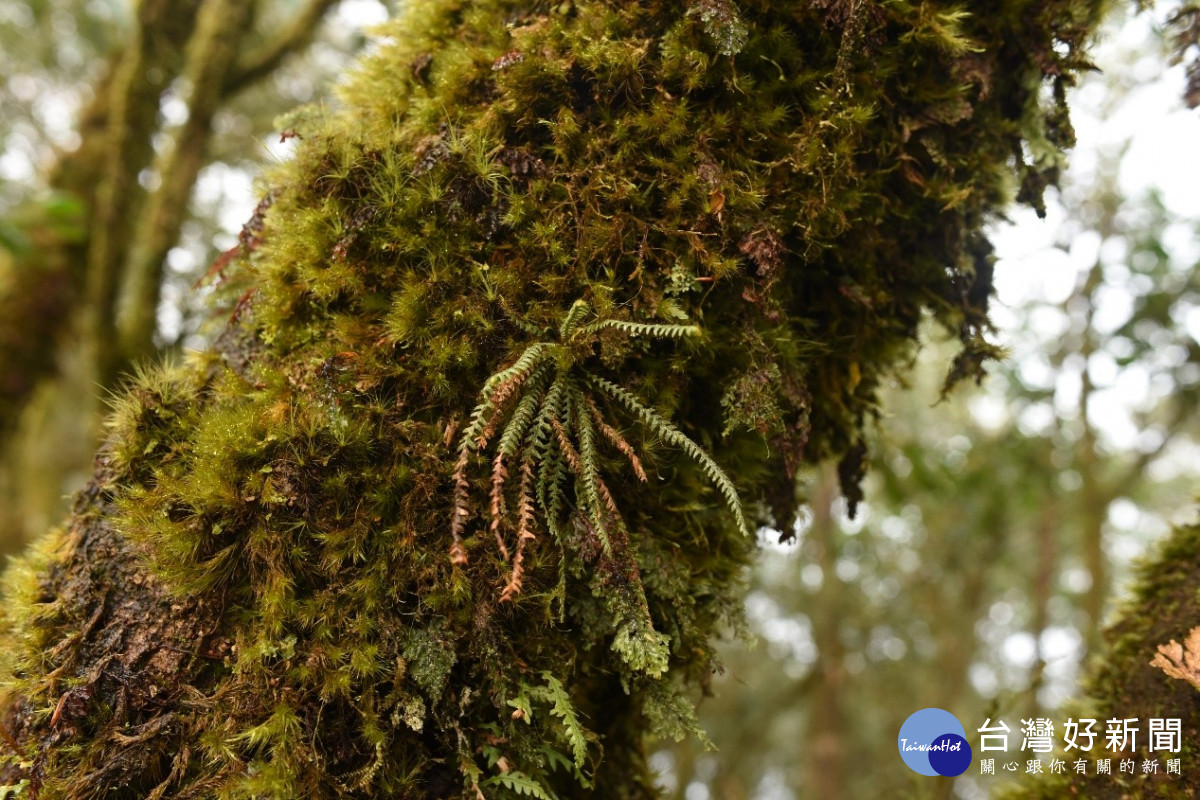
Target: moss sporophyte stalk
[538,327]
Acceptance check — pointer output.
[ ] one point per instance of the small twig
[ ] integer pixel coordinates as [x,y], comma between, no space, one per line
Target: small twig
[267,58]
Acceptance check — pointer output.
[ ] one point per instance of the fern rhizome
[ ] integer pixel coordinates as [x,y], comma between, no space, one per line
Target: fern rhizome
[533,330]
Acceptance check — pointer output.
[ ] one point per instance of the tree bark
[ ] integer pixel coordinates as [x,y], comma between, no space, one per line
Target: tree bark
[825,751]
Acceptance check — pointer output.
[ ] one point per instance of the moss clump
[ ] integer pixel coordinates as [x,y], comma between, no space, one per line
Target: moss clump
[563,295]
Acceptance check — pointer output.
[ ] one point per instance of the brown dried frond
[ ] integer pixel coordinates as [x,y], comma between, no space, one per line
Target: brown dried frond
[525,522]
[618,441]
[499,474]
[451,429]
[1181,661]
[610,503]
[504,392]
[458,517]
[526,510]
[568,449]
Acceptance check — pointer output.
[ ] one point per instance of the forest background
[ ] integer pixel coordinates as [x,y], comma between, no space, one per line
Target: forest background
[999,524]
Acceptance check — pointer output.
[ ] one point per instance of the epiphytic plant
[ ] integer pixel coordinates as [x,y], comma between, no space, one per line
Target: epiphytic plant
[544,414]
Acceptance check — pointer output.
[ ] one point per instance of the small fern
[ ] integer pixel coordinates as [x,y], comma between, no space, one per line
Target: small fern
[654,331]
[542,413]
[525,522]
[577,737]
[520,783]
[663,428]
[560,706]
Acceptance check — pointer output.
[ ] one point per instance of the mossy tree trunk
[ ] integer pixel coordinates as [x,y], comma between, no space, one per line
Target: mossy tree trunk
[521,345]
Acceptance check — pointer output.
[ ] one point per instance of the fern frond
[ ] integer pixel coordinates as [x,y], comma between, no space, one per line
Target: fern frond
[651,330]
[476,424]
[579,309]
[562,707]
[522,367]
[522,324]
[557,500]
[520,783]
[568,450]
[497,390]
[554,759]
[589,498]
[665,429]
[461,510]
[540,437]
[618,441]
[539,447]
[525,522]
[362,778]
[499,401]
[609,504]
[524,414]
[499,475]
[545,465]
[556,400]
[604,507]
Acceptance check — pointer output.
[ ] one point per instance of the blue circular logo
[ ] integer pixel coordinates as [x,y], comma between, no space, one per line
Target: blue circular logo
[933,742]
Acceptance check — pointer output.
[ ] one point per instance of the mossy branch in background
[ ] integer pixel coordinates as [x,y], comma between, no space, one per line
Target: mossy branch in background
[210,52]
[131,231]
[257,64]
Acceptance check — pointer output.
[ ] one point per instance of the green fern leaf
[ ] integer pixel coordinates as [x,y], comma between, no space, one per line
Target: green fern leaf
[524,414]
[673,435]
[521,784]
[579,309]
[589,479]
[560,706]
[655,331]
[521,370]
[523,366]
[554,759]
[558,502]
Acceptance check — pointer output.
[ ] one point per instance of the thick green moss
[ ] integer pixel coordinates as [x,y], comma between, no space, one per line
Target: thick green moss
[544,249]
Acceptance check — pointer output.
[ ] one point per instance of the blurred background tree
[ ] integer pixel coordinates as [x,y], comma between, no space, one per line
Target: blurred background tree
[144,119]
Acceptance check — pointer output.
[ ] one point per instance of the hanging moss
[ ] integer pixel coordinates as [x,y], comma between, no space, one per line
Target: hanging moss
[531,332]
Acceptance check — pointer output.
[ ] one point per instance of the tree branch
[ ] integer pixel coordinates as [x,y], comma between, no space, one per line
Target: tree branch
[209,53]
[267,58]
[137,84]
[1181,416]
